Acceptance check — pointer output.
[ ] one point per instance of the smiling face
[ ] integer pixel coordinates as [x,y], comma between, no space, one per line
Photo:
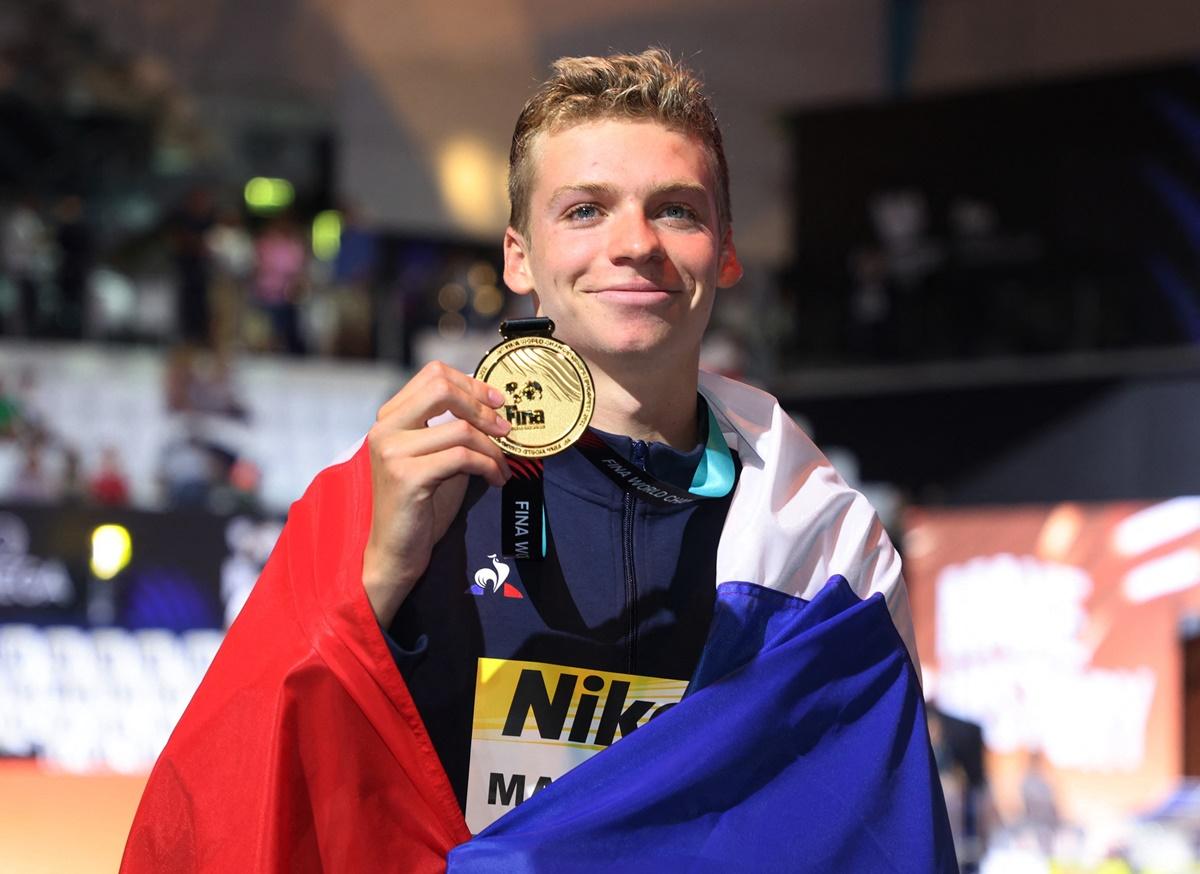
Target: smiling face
[624,248]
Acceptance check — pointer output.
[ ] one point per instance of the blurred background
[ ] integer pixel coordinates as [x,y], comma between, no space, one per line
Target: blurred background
[971,231]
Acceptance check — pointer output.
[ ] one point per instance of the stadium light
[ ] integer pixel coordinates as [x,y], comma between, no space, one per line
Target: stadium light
[112,547]
[327,234]
[267,194]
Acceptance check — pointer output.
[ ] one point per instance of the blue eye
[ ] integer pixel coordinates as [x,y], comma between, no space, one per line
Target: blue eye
[679,212]
[583,212]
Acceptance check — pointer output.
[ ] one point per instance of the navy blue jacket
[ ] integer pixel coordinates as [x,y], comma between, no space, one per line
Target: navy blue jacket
[626,586]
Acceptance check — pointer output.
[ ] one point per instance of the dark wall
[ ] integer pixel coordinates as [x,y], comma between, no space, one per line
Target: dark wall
[1049,217]
[1095,440]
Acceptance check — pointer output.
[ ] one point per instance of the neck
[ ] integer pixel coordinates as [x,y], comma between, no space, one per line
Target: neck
[646,405]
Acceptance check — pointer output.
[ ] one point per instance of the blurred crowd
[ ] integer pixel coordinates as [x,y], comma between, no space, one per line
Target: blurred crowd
[49,469]
[123,216]
[208,274]
[1034,834]
[200,466]
[123,221]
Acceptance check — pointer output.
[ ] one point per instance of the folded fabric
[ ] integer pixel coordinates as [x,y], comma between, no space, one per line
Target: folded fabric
[801,746]
[302,750]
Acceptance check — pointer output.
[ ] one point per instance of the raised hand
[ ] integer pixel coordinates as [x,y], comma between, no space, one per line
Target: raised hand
[419,474]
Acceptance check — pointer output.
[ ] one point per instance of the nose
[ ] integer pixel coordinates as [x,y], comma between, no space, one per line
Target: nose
[633,238]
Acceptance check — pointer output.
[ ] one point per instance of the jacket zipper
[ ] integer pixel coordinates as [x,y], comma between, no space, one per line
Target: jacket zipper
[631,589]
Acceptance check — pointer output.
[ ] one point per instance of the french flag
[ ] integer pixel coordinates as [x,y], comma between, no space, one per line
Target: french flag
[800,746]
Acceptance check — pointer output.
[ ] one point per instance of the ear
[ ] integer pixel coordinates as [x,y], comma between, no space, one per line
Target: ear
[518,275]
[729,269]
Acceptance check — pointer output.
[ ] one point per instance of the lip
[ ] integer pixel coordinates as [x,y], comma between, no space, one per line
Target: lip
[635,287]
[634,295]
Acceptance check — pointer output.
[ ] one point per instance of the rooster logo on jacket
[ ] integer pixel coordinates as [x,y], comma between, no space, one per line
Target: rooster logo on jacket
[493,580]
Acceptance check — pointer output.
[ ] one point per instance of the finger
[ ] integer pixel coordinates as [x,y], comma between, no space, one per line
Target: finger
[437,467]
[435,370]
[434,395]
[433,379]
[426,441]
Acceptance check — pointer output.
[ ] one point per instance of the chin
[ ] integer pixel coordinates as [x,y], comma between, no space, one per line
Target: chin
[634,345]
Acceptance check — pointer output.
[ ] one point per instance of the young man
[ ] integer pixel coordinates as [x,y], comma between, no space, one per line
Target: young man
[763,587]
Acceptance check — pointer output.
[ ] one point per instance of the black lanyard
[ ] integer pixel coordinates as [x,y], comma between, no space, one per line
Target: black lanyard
[637,482]
[522,514]
[523,510]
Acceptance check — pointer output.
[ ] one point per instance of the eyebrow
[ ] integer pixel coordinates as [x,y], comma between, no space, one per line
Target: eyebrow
[603,189]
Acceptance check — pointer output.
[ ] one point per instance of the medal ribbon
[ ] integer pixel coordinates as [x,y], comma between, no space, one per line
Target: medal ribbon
[522,501]
[714,475]
[522,505]
[522,511]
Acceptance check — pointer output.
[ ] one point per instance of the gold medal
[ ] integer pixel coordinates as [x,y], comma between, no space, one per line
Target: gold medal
[548,391]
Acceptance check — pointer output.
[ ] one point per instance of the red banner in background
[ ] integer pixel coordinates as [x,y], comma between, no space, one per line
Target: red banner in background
[1057,629]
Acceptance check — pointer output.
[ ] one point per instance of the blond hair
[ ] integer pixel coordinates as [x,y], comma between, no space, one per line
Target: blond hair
[651,86]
